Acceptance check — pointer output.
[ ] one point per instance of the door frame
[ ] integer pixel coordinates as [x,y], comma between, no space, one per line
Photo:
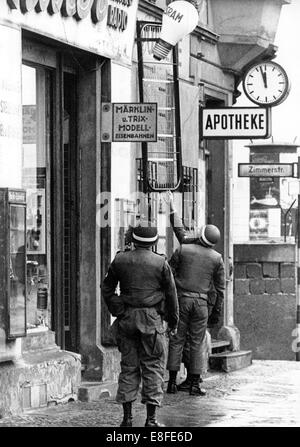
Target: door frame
[37,51]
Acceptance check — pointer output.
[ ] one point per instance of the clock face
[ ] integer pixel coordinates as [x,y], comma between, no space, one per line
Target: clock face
[266,84]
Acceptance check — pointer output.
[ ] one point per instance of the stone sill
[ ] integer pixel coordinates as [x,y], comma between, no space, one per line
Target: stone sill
[37,330]
[268,252]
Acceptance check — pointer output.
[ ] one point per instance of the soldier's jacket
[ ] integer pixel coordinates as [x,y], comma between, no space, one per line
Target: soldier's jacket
[145,280]
[197,269]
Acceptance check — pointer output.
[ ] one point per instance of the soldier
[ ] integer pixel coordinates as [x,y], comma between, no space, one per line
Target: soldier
[147,296]
[197,267]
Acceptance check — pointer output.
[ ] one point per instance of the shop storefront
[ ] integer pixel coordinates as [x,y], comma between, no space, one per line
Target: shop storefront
[60,61]
[56,59]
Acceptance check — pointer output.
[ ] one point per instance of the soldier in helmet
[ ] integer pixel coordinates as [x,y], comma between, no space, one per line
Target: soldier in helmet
[147,296]
[197,269]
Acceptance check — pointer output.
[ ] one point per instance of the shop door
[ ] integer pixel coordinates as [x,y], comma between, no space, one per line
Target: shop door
[50,176]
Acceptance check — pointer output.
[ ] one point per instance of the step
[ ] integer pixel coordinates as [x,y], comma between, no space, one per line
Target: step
[230,361]
[93,391]
[38,339]
[217,344]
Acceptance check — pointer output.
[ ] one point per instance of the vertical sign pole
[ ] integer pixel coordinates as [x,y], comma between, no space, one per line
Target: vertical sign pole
[298,269]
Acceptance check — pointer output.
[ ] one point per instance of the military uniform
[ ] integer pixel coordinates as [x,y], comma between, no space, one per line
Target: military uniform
[147,296]
[196,268]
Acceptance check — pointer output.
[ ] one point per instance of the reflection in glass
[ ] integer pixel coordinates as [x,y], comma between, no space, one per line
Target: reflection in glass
[35,180]
[17,277]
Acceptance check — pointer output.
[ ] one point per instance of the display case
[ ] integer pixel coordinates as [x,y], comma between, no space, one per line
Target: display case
[13,290]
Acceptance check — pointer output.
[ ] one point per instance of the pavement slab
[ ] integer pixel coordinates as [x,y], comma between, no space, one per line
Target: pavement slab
[265,394]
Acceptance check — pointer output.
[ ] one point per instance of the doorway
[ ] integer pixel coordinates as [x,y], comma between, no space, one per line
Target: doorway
[50,176]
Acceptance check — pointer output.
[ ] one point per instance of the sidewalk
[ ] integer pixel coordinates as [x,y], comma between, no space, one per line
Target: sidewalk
[266,394]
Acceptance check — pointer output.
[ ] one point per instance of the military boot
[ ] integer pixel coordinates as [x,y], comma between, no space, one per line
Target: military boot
[127,417]
[185,386]
[195,389]
[151,420]
[172,387]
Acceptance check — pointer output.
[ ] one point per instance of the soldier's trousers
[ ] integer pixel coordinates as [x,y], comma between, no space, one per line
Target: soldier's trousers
[142,344]
[193,315]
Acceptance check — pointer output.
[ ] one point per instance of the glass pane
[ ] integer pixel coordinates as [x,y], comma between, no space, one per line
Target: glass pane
[17,314]
[35,179]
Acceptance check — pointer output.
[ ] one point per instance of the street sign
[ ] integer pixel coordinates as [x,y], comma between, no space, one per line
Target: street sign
[130,122]
[266,170]
[235,122]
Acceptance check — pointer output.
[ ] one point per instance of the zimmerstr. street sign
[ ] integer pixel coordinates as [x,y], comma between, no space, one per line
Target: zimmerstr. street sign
[266,170]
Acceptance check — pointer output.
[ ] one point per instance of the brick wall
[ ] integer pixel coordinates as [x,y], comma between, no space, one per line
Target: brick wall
[264,277]
[265,298]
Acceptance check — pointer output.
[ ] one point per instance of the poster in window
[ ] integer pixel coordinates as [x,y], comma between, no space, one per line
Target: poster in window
[258,224]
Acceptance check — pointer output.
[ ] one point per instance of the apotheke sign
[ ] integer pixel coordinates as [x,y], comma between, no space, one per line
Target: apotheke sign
[234,122]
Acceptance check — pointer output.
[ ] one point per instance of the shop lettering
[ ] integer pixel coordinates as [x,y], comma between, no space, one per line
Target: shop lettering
[134,127]
[173,14]
[235,121]
[117,18]
[124,2]
[135,109]
[9,108]
[79,9]
[269,171]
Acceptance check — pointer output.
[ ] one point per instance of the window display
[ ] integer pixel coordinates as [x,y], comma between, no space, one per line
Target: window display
[35,180]
[13,266]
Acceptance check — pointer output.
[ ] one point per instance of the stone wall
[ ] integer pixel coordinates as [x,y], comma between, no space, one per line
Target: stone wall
[265,299]
[43,375]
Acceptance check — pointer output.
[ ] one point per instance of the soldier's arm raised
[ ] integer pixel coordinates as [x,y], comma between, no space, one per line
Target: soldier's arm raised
[177,223]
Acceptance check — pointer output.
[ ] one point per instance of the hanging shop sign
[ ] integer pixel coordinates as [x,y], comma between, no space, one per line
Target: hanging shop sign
[235,122]
[105,27]
[130,122]
[266,170]
[79,9]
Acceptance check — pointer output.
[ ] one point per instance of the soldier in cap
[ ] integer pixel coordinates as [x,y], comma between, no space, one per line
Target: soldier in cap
[147,296]
[198,269]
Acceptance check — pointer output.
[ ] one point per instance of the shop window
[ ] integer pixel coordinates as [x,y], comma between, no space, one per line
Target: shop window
[125,212]
[35,180]
[189,197]
[150,206]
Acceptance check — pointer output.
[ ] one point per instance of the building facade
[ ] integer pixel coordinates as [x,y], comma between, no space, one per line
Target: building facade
[62,61]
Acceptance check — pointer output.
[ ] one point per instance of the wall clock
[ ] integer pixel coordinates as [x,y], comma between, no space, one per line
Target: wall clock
[266,84]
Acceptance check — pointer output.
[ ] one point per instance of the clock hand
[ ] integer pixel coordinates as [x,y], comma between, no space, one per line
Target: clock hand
[264,76]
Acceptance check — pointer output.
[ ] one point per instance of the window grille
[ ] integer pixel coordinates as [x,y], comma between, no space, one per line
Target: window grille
[189,197]
[158,82]
[147,203]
